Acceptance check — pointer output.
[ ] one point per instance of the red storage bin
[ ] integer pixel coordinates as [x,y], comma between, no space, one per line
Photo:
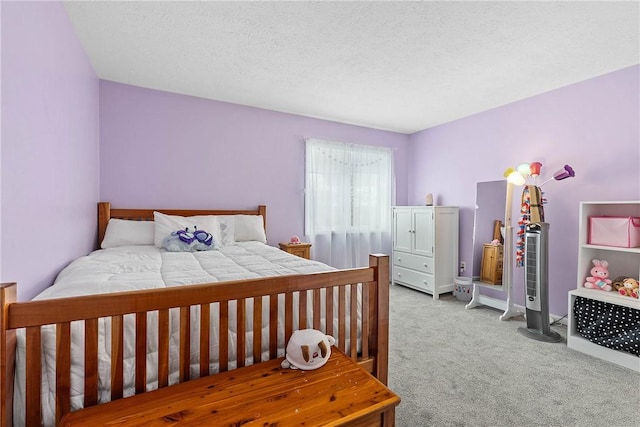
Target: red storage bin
[621,232]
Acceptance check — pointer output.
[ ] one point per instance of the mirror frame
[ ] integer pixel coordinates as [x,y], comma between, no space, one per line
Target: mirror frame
[478,299]
[491,198]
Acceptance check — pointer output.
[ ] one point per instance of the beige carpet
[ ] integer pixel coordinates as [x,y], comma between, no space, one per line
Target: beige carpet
[458,367]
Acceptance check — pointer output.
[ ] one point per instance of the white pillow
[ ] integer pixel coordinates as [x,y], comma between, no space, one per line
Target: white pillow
[249,228]
[167,224]
[227,229]
[123,232]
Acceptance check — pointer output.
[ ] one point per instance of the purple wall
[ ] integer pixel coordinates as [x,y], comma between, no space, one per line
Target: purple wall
[592,125]
[50,145]
[164,150]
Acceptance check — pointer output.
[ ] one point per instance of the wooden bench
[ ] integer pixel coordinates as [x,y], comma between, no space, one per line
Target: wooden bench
[338,394]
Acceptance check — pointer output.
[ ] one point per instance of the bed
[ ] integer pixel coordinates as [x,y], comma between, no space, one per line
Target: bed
[157,323]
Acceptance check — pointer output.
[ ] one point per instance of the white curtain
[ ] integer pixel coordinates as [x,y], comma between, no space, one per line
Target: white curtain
[348,199]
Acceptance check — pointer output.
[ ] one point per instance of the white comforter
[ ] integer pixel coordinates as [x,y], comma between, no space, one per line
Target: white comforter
[146,267]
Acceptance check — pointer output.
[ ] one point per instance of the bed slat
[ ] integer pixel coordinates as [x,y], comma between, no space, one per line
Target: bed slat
[163,348]
[316,309]
[365,320]
[117,356]
[90,362]
[288,316]
[63,369]
[205,316]
[185,343]
[223,354]
[240,327]
[257,329]
[273,326]
[33,364]
[353,318]
[302,310]
[141,352]
[329,307]
[341,339]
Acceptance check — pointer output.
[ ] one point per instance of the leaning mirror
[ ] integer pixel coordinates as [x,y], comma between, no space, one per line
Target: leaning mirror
[487,260]
[493,205]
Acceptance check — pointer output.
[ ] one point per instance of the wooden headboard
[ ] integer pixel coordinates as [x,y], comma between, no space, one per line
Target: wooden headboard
[106,212]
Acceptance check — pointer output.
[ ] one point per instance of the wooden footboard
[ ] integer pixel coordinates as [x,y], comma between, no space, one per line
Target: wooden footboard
[268,296]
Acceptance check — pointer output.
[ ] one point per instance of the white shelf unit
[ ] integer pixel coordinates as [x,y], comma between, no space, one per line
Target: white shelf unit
[622,262]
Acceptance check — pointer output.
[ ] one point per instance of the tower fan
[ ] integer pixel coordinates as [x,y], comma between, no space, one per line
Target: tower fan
[536,266]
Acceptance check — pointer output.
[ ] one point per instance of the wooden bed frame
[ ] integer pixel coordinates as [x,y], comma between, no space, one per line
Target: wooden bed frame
[374,324]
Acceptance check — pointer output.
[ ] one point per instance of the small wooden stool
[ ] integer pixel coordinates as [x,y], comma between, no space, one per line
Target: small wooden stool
[339,393]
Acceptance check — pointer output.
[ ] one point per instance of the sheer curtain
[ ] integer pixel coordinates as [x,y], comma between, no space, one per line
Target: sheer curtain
[348,198]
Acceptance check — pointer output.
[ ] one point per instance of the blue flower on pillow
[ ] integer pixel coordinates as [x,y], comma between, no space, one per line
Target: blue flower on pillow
[184,235]
[187,241]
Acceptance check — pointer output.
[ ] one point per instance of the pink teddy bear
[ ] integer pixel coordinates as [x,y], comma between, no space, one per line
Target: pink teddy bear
[598,278]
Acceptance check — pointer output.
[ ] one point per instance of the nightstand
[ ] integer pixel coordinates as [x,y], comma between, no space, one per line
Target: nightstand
[302,250]
[491,271]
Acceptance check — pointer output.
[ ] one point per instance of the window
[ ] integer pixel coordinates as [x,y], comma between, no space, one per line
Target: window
[349,192]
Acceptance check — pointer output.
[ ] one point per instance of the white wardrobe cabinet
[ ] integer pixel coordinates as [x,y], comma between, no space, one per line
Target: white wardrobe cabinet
[425,248]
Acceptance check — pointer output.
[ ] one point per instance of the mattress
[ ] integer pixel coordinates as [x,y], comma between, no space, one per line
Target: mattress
[612,326]
[147,267]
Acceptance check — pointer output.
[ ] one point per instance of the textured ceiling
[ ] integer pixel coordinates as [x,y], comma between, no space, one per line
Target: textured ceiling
[400,66]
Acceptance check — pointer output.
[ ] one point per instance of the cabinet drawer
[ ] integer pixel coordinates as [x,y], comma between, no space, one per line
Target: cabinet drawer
[416,262]
[301,252]
[299,249]
[413,278]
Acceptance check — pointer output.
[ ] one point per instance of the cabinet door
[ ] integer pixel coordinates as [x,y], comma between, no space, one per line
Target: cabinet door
[487,272]
[423,234]
[402,230]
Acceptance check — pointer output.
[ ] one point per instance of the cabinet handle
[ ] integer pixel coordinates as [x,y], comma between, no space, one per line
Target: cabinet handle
[399,259]
[399,275]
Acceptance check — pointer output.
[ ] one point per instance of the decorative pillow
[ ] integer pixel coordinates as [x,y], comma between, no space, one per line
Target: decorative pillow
[190,240]
[227,229]
[123,232]
[167,224]
[249,228]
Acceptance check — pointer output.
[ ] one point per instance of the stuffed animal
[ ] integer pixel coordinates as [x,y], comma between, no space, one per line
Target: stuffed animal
[186,241]
[294,239]
[599,274]
[629,288]
[308,349]
[617,283]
